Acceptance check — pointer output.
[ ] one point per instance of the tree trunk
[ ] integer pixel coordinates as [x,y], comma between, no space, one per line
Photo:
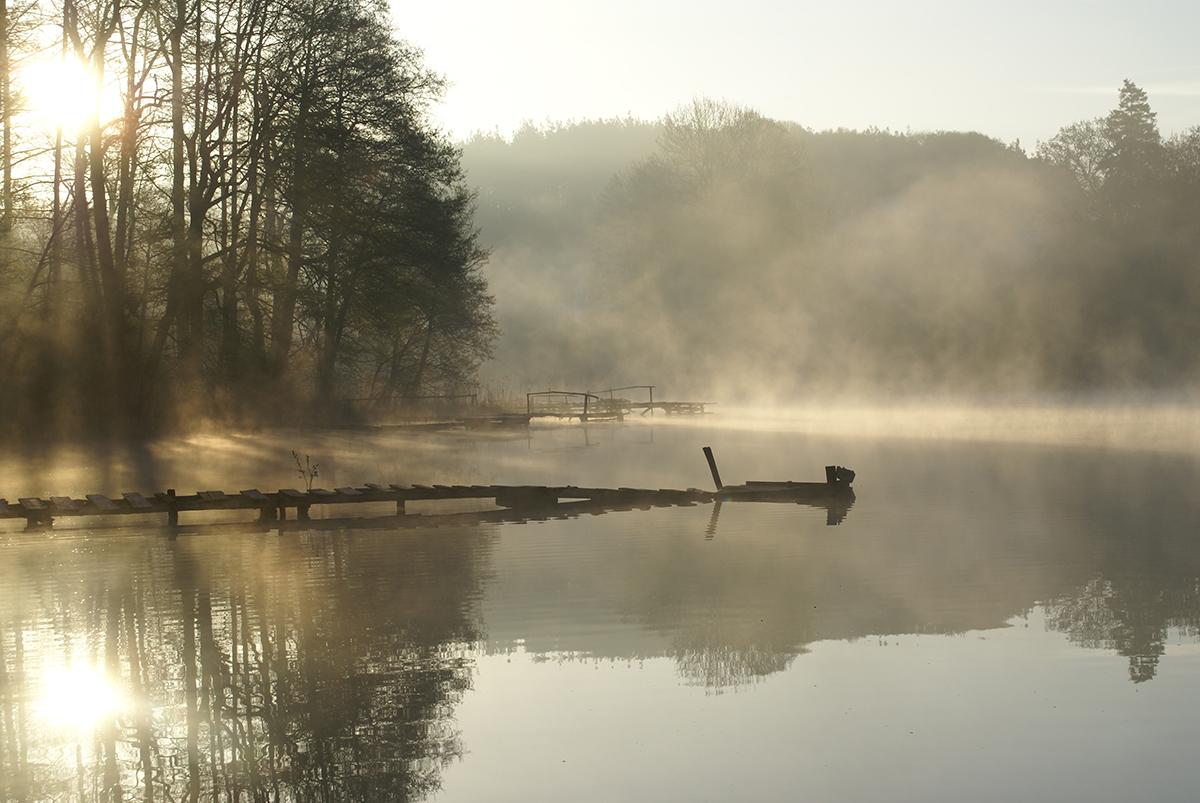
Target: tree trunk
[179,252]
[283,315]
[282,320]
[6,185]
[419,374]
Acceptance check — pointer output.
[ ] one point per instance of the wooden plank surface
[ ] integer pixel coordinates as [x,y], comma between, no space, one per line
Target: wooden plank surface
[137,501]
[102,503]
[531,497]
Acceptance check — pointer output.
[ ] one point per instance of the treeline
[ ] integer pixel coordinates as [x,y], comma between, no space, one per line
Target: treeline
[267,224]
[746,257]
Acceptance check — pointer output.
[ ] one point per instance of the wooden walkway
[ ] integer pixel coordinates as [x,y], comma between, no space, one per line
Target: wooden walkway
[38,512]
[275,505]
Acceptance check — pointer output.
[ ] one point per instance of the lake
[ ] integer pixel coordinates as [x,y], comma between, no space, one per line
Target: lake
[1009,610]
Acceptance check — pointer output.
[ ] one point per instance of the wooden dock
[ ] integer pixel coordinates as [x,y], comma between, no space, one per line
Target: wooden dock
[835,494]
[588,406]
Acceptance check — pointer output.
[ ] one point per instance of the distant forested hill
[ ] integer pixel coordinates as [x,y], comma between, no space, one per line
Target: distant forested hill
[722,253]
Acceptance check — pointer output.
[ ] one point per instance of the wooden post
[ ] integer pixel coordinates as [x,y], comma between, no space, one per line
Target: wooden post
[831,474]
[302,512]
[172,509]
[652,401]
[400,507]
[712,466]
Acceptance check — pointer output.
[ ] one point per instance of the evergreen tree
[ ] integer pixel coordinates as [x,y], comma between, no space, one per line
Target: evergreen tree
[1133,163]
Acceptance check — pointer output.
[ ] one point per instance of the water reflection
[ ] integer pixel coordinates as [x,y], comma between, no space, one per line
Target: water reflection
[328,663]
[232,667]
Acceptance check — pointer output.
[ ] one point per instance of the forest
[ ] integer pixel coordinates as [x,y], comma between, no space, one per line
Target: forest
[225,210]
[725,253]
[243,212]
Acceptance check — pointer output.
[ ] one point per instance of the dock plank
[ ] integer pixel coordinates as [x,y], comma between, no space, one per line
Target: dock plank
[102,503]
[137,501]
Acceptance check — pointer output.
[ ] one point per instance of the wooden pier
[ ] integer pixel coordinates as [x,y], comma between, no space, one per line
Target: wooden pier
[835,495]
[588,406]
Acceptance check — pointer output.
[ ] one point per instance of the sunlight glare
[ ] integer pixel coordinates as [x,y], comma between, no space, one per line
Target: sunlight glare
[80,698]
[63,93]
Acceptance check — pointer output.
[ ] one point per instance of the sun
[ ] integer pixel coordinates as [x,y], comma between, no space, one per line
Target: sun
[62,93]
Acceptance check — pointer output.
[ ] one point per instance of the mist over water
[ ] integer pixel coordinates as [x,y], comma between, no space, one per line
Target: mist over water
[979,589]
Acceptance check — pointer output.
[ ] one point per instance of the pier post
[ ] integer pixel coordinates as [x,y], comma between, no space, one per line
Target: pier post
[712,466]
[172,509]
[400,511]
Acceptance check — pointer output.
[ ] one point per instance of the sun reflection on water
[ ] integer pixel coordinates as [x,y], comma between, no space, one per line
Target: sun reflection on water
[80,698]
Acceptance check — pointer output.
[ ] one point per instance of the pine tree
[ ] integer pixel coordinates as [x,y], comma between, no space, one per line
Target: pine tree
[1134,159]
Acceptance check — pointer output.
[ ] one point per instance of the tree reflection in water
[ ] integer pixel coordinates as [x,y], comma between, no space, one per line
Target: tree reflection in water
[1134,618]
[326,665]
[248,668]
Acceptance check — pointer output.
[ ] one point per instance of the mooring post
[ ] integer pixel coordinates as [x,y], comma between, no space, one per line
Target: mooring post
[37,523]
[712,466]
[172,509]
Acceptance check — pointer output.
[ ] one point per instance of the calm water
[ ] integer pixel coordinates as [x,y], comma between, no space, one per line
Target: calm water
[991,621]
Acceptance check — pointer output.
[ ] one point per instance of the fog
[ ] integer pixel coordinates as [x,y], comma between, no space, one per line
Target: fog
[721,254]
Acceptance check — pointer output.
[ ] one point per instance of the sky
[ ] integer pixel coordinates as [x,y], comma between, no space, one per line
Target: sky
[1012,69]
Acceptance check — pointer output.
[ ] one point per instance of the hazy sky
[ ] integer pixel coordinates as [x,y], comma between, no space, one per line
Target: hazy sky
[1008,68]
